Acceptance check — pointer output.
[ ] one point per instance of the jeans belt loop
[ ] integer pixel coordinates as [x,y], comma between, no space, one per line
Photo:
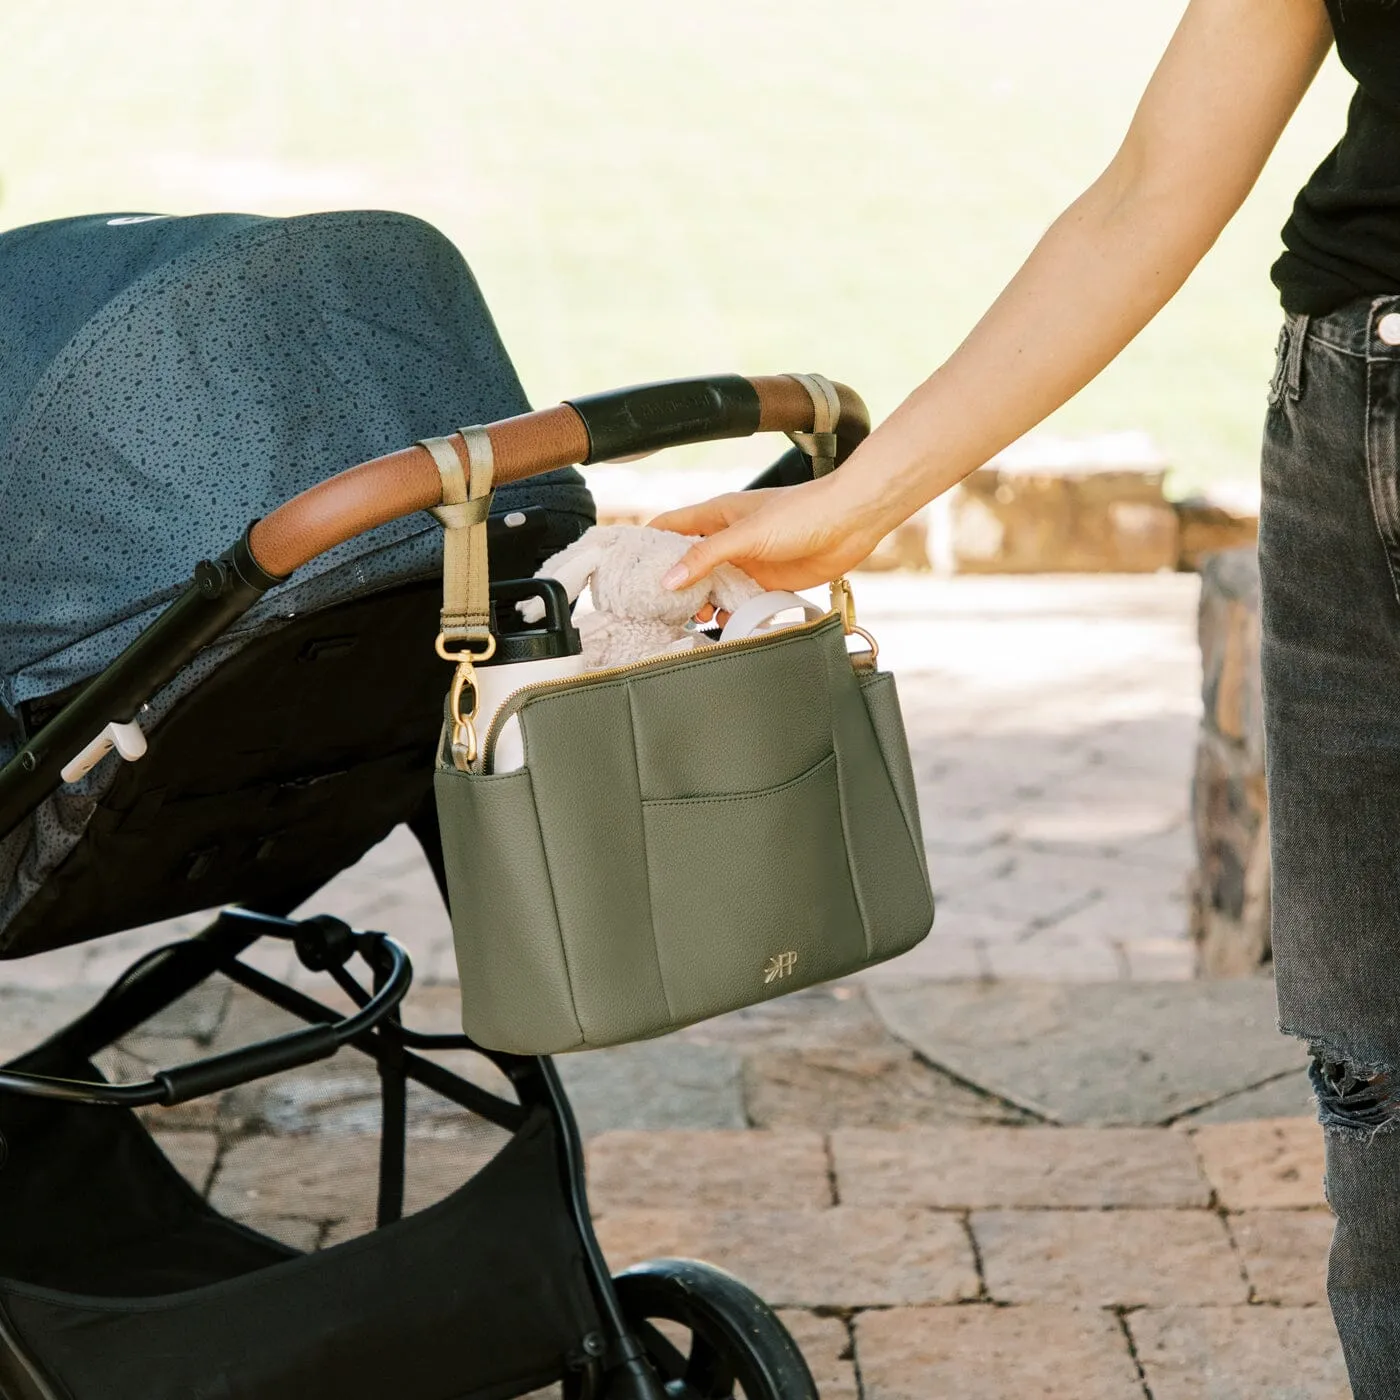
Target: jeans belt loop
[1297,339]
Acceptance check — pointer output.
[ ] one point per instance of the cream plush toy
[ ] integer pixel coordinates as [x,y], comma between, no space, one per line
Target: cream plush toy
[634,617]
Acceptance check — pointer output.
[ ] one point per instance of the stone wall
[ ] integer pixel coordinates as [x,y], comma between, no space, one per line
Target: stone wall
[1211,523]
[1230,894]
[1011,519]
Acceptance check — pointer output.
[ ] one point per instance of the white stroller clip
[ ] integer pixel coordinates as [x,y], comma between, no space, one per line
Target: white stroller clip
[127,739]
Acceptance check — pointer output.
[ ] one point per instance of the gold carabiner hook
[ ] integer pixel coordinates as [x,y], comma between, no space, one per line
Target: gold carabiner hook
[488,648]
[464,744]
[843,602]
[464,740]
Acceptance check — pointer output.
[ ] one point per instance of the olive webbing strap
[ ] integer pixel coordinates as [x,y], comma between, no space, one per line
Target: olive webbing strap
[819,446]
[466,502]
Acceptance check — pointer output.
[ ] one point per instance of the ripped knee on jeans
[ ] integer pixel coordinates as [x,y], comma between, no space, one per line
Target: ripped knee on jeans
[1356,1100]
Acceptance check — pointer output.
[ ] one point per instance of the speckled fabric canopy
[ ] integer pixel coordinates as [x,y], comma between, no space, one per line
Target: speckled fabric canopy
[165,381]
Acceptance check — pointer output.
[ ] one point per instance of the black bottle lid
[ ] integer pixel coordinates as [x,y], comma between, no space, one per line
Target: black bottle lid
[519,641]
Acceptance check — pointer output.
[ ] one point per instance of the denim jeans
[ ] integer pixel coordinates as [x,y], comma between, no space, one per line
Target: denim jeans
[1329,553]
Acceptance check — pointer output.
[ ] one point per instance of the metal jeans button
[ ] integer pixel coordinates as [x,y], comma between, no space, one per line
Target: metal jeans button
[1388,328]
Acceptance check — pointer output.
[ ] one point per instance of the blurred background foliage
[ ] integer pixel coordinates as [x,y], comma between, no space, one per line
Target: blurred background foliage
[647,189]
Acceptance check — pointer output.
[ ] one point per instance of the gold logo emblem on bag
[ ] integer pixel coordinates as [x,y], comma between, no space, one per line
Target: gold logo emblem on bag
[777,967]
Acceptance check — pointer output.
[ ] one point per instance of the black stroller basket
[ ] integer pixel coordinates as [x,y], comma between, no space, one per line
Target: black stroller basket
[117,1281]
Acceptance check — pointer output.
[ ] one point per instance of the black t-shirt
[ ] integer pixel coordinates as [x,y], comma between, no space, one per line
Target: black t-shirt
[1343,239]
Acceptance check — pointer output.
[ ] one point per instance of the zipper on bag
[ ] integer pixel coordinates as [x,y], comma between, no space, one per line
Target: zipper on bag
[517,698]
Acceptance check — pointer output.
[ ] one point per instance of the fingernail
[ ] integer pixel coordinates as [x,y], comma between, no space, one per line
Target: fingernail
[673,578]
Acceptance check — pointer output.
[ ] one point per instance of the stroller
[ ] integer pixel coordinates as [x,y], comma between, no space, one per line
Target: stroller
[165,381]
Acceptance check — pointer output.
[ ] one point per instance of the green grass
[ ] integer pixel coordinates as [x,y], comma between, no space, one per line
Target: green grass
[647,188]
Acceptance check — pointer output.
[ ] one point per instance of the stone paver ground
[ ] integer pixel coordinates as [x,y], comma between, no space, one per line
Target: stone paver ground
[1028,1159]
[957,1257]
[968,1247]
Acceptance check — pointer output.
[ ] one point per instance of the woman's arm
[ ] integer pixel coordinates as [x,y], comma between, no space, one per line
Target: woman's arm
[1230,79]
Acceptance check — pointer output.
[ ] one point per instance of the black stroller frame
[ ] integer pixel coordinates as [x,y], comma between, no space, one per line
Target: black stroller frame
[500,1288]
[327,944]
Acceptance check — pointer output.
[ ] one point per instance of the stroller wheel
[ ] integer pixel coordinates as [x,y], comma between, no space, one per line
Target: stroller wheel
[722,1340]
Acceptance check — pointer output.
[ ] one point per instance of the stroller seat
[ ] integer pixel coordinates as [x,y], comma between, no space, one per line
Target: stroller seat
[283,768]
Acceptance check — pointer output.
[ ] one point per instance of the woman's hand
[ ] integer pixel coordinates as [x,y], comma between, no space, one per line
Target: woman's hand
[787,537]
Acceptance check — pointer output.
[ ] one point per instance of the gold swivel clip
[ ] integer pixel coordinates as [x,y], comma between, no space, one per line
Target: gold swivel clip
[464,740]
[843,603]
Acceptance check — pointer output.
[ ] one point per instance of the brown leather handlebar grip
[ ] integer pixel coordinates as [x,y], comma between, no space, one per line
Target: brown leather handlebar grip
[786,407]
[588,430]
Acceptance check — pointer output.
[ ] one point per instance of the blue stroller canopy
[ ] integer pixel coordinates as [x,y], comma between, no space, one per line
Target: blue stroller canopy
[164,381]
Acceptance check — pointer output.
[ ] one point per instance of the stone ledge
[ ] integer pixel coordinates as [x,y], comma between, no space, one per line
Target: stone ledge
[1218,520]
[1051,505]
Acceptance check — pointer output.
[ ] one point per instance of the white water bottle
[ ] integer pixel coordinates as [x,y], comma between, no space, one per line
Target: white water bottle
[758,615]
[548,652]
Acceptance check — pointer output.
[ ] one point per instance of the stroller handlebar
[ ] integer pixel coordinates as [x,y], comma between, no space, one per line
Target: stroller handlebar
[595,429]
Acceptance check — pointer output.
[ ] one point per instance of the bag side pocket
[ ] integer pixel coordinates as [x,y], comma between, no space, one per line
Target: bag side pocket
[516,990]
[887,720]
[751,894]
[886,848]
